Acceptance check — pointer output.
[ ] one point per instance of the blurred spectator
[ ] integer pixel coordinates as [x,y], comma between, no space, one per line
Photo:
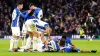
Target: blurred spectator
[62,15]
[82,33]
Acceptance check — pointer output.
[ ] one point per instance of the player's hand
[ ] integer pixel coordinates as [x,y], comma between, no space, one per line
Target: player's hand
[29,11]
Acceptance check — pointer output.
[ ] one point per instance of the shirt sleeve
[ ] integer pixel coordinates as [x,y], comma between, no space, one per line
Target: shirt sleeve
[14,14]
[40,14]
[69,41]
[24,12]
[24,16]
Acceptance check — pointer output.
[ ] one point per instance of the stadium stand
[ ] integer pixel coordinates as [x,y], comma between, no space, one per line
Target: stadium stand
[64,16]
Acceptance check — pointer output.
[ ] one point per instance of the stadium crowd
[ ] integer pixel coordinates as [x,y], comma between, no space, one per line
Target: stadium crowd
[69,16]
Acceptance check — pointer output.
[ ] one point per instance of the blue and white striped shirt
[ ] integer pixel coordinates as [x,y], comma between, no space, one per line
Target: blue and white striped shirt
[15,17]
[40,25]
[36,14]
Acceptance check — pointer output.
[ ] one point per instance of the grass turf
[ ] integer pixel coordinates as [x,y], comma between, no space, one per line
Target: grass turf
[82,44]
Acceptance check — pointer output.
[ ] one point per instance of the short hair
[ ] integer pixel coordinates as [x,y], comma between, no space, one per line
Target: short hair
[62,42]
[19,3]
[31,4]
[64,36]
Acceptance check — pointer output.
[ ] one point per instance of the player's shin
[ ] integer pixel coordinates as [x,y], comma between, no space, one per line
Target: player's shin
[28,42]
[86,51]
[11,43]
[23,40]
[34,43]
[16,43]
[40,47]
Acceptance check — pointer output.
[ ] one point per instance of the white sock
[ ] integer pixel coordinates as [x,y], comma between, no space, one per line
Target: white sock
[39,45]
[28,43]
[11,43]
[35,43]
[23,41]
[16,43]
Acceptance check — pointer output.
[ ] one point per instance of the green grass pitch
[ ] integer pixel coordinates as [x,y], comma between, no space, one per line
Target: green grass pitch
[82,44]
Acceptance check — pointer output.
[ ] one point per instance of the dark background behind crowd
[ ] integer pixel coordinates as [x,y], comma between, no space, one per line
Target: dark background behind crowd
[63,16]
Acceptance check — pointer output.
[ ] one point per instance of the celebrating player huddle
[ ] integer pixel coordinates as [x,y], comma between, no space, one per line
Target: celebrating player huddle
[35,28]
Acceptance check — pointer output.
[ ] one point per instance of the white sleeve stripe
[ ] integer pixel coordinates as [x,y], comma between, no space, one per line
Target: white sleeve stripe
[14,15]
[40,14]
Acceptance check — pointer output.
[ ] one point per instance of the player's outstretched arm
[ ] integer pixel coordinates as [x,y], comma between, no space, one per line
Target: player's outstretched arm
[26,14]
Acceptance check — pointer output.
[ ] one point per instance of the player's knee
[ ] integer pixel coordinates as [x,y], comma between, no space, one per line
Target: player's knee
[36,34]
[14,36]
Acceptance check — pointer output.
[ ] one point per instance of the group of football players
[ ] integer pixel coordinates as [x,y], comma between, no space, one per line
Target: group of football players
[35,28]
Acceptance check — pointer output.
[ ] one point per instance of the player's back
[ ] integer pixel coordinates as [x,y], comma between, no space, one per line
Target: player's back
[68,41]
[37,11]
[53,46]
[37,14]
[40,24]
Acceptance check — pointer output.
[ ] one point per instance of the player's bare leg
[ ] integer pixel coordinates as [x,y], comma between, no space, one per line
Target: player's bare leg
[87,51]
[37,42]
[48,31]
[29,40]
[28,43]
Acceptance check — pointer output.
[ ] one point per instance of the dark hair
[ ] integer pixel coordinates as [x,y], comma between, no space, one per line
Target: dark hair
[64,36]
[31,4]
[19,3]
[62,42]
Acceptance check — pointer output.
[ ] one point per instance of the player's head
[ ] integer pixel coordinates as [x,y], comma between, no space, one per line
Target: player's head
[19,5]
[62,42]
[32,6]
[64,36]
[90,13]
